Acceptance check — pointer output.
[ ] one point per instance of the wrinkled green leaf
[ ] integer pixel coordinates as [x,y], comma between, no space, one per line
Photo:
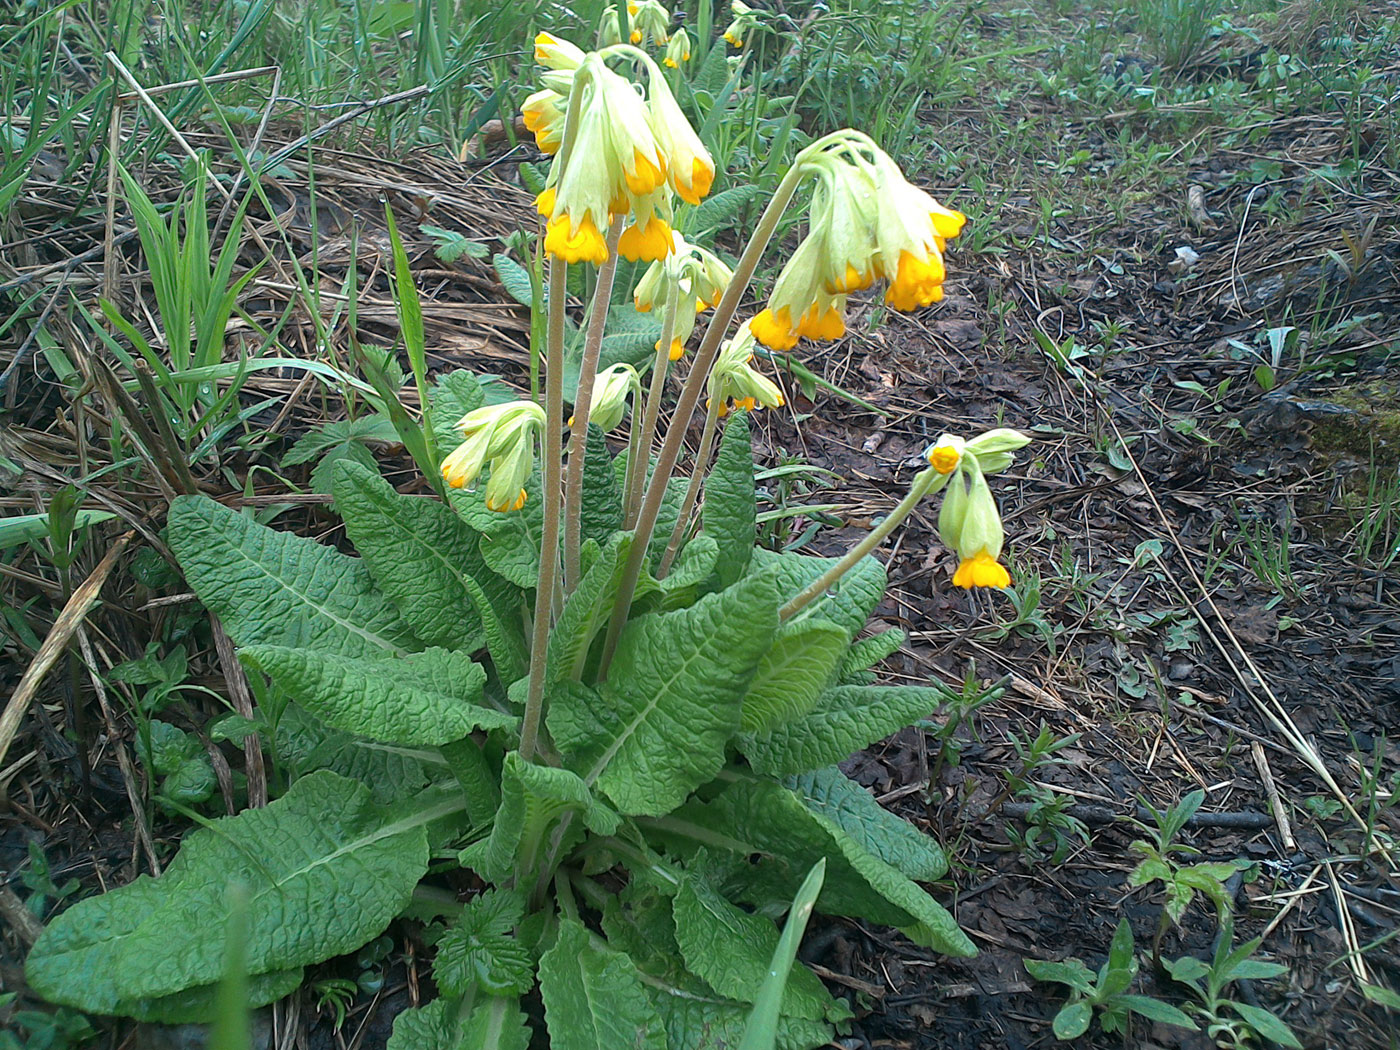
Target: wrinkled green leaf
[730,506]
[276,588]
[849,604]
[1072,1021]
[601,504]
[324,869]
[510,540]
[480,949]
[792,673]
[594,998]
[425,698]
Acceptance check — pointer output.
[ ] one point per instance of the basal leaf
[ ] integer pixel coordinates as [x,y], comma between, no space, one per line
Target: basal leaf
[533,799]
[695,1021]
[830,793]
[480,950]
[730,509]
[423,699]
[594,998]
[510,540]
[418,551]
[601,503]
[731,950]
[657,728]
[197,1005]
[502,625]
[773,821]
[792,673]
[844,720]
[587,609]
[454,395]
[496,1024]
[867,652]
[848,604]
[305,744]
[276,588]
[324,870]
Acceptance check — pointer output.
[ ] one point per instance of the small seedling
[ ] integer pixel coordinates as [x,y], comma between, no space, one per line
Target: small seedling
[1107,994]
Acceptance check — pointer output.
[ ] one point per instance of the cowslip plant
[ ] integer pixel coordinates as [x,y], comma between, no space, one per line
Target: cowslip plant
[608,722]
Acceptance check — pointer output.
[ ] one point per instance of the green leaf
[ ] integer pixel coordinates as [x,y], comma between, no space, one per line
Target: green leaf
[497,1024]
[481,951]
[587,609]
[449,245]
[338,434]
[510,540]
[666,518]
[849,604]
[426,698]
[322,480]
[844,720]
[594,998]
[771,820]
[430,1027]
[1266,1024]
[276,588]
[1156,1010]
[696,1021]
[730,505]
[792,674]
[304,744]
[868,652]
[601,503]
[324,869]
[1071,972]
[503,626]
[197,1005]
[1072,1021]
[417,550]
[833,795]
[455,394]
[721,209]
[732,949]
[493,1024]
[533,800]
[694,565]
[1122,966]
[659,725]
[513,278]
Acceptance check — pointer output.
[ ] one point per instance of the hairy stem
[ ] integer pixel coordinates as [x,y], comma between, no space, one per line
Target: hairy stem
[814,590]
[692,491]
[583,404]
[637,468]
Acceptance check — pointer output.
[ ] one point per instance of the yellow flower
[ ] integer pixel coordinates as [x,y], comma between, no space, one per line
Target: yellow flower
[699,279]
[968,521]
[650,19]
[911,230]
[543,113]
[744,20]
[505,435]
[689,166]
[678,50]
[945,454]
[793,309]
[980,535]
[611,389]
[981,570]
[734,378]
[554,53]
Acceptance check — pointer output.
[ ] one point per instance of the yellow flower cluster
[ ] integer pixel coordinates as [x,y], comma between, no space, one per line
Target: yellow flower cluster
[745,19]
[505,435]
[631,152]
[699,278]
[867,223]
[968,521]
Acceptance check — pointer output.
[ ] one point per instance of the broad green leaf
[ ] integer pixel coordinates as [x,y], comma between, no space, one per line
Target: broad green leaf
[493,1024]
[731,950]
[1072,1021]
[848,604]
[771,820]
[869,651]
[594,998]
[844,720]
[322,479]
[418,551]
[533,800]
[502,625]
[423,699]
[666,519]
[496,1024]
[324,869]
[305,744]
[721,209]
[276,588]
[657,728]
[693,566]
[430,1027]
[587,609]
[513,278]
[730,506]
[480,950]
[1122,964]
[601,503]
[894,840]
[510,540]
[792,673]
[341,433]
[197,1005]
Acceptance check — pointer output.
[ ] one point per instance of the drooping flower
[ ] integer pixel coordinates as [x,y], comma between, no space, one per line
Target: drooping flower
[689,166]
[699,278]
[911,231]
[543,113]
[555,53]
[735,382]
[504,435]
[649,236]
[678,50]
[611,389]
[968,521]
[609,27]
[744,21]
[650,20]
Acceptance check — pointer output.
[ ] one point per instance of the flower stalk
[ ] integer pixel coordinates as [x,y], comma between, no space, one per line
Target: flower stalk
[637,464]
[692,492]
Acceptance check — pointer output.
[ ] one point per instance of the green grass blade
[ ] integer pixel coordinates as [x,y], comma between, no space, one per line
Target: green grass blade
[761,1033]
